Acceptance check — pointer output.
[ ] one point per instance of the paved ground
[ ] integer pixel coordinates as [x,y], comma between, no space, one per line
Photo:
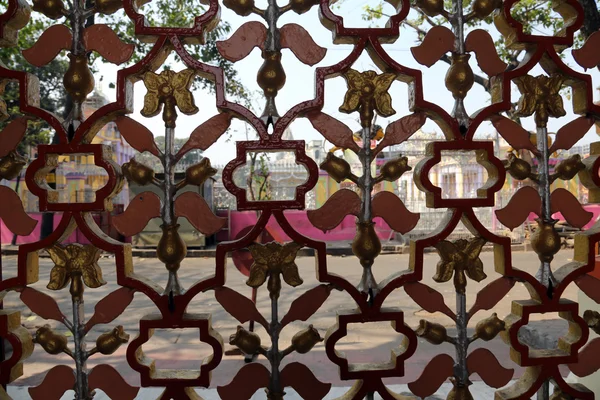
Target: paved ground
[369,343]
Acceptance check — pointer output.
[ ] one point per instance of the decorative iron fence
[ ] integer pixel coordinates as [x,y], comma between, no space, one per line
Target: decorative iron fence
[272,263]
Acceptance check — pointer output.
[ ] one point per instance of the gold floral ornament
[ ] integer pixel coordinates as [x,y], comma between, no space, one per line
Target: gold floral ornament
[72,263]
[273,260]
[459,258]
[368,92]
[171,89]
[540,95]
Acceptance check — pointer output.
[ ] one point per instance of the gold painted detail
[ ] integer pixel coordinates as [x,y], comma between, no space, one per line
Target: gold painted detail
[52,342]
[171,89]
[545,241]
[393,169]
[459,258]
[247,342]
[459,392]
[107,343]
[137,172]
[483,8]
[368,92]
[274,260]
[366,245]
[197,174]
[433,332]
[271,75]
[336,167]
[306,339]
[431,8]
[78,80]
[240,7]
[11,165]
[53,9]
[540,95]
[517,167]
[489,328]
[568,168]
[171,248]
[75,263]
[460,78]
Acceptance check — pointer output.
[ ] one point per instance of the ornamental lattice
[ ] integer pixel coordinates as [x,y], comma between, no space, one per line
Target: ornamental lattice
[169,93]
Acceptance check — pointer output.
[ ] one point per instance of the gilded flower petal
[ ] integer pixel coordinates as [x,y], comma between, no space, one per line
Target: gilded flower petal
[58,278]
[58,255]
[354,79]
[526,84]
[260,253]
[383,104]
[89,254]
[447,250]
[92,275]
[444,271]
[555,84]
[152,105]
[3,111]
[182,79]
[526,106]
[291,275]
[258,275]
[288,252]
[474,270]
[185,101]
[555,106]
[351,102]
[383,82]
[473,248]
[154,81]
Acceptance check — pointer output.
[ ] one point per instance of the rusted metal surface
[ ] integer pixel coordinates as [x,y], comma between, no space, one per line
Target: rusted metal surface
[273,264]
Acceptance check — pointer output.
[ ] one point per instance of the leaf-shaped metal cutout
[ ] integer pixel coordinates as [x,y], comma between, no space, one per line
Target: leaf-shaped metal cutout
[301,378]
[243,41]
[400,130]
[245,383]
[54,39]
[299,41]
[342,203]
[491,294]
[568,135]
[438,41]
[108,379]
[206,134]
[389,207]
[140,210]
[567,204]
[193,207]
[306,304]
[13,214]
[110,307]
[42,304]
[429,299]
[137,135]
[239,306]
[513,133]
[104,41]
[434,374]
[521,204]
[588,55]
[589,285]
[56,382]
[12,134]
[484,362]
[333,130]
[481,43]
[588,361]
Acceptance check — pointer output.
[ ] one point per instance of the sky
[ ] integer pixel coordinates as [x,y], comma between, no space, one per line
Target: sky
[300,83]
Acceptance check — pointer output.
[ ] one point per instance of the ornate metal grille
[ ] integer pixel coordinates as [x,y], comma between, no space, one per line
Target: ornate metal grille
[168,94]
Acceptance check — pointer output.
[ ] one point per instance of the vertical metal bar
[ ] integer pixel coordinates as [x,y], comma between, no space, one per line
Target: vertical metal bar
[544,274]
[275,390]
[81,382]
[367,178]
[168,212]
[462,341]
[457,20]
[544,392]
